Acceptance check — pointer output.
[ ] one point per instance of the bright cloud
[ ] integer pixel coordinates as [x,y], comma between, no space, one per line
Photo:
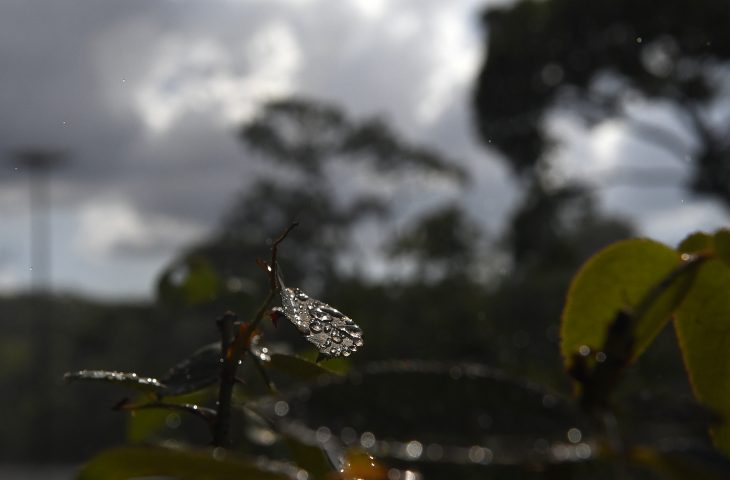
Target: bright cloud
[112,227]
[204,77]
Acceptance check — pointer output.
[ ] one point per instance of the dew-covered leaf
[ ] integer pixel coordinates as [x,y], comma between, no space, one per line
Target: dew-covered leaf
[200,370]
[618,278]
[703,328]
[333,333]
[132,380]
[133,462]
[297,367]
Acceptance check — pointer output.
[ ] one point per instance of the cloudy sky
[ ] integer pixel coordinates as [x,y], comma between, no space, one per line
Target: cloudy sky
[145,96]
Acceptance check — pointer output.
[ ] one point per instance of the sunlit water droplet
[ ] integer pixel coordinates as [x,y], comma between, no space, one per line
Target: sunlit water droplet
[414,449]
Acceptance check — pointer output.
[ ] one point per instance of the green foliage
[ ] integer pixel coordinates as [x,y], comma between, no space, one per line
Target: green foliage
[297,367]
[138,382]
[557,54]
[640,283]
[618,278]
[132,462]
[703,329]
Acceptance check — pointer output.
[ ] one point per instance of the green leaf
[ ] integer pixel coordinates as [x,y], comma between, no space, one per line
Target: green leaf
[297,367]
[703,328]
[309,457]
[696,242]
[132,462]
[722,245]
[200,370]
[142,425]
[137,382]
[145,423]
[618,278]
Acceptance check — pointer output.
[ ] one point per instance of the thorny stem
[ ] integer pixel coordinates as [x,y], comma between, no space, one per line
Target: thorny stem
[222,424]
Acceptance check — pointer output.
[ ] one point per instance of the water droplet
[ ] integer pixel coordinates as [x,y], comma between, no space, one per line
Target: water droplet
[574,435]
[584,350]
[353,330]
[316,327]
[335,352]
[434,451]
[332,311]
[414,449]
[348,435]
[358,342]
[281,408]
[173,421]
[336,338]
[323,434]
[219,453]
[479,454]
[367,440]
[327,343]
[346,353]
[302,296]
[583,451]
[327,328]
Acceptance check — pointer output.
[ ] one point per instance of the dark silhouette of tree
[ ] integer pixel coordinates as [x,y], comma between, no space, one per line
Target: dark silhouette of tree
[590,57]
[308,148]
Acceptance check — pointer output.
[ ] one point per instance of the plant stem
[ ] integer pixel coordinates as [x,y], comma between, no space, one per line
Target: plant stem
[222,423]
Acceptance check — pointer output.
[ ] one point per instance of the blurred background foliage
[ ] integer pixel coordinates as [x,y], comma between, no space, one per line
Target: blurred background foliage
[443,289]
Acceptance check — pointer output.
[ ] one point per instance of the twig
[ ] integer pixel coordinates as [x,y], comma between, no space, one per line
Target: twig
[265,376]
[273,275]
[222,424]
[233,349]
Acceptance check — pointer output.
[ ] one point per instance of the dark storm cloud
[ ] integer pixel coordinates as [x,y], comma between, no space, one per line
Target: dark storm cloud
[146,98]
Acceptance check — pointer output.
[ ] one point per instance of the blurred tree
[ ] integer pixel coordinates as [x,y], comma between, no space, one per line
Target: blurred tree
[596,58]
[336,175]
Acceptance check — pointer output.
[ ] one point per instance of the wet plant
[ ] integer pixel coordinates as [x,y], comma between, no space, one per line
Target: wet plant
[315,419]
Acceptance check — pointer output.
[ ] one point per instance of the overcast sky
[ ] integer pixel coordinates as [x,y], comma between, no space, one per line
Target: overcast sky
[146,97]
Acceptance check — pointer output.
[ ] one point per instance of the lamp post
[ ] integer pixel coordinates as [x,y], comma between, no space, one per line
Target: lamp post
[38,163]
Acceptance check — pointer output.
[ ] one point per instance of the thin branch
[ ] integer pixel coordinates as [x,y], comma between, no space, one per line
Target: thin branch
[222,424]
[273,280]
[262,371]
[233,349]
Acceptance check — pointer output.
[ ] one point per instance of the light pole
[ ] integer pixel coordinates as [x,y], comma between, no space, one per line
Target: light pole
[38,163]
